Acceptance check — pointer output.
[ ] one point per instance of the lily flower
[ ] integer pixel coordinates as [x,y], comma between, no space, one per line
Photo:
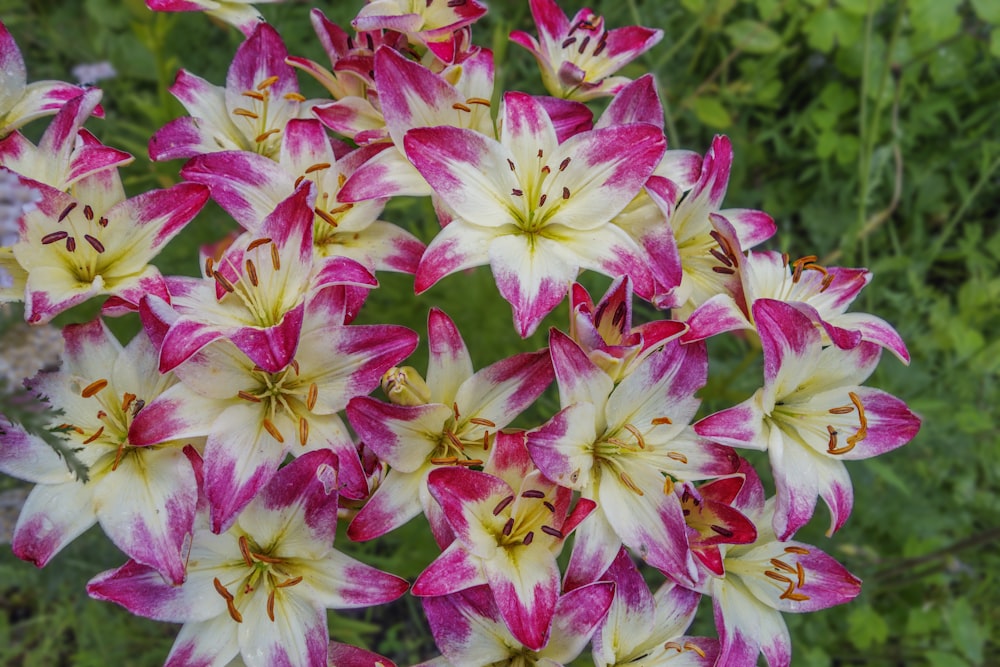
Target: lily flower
[22,102]
[66,152]
[712,520]
[470,632]
[240,14]
[254,418]
[451,419]
[622,447]
[72,248]
[260,97]
[255,293]
[767,578]
[578,56]
[261,589]
[249,187]
[822,293]
[536,210]
[509,524]
[143,497]
[433,23]
[811,415]
[646,630]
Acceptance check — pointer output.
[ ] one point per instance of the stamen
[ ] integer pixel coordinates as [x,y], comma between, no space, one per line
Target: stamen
[827,281]
[529,538]
[127,399]
[603,44]
[801,572]
[841,410]
[549,506]
[454,440]
[270,605]
[303,431]
[510,163]
[294,97]
[721,257]
[288,583]
[541,200]
[458,106]
[480,421]
[638,436]
[564,164]
[209,266]
[254,95]
[245,550]
[660,421]
[677,456]
[223,282]
[486,441]
[723,269]
[273,430]
[251,272]
[688,646]
[554,532]
[797,550]
[88,212]
[777,577]
[62,216]
[275,259]
[97,434]
[782,565]
[583,44]
[674,645]
[627,481]
[71,244]
[533,493]
[233,611]
[454,410]
[54,237]
[784,259]
[327,218]
[456,3]
[568,42]
[246,113]
[340,209]
[725,532]
[565,193]
[102,221]
[517,192]
[795,597]
[118,456]
[668,486]
[443,461]
[619,315]
[256,243]
[481,101]
[545,170]
[93,388]
[94,243]
[468,463]
[502,505]
[508,527]
[268,82]
[264,135]
[247,396]
[312,396]
[317,167]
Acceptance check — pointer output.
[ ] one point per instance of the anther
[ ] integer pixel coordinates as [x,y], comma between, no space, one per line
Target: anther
[545,170]
[268,82]
[88,212]
[312,396]
[777,577]
[568,42]
[517,192]
[256,243]
[541,200]
[827,281]
[97,434]
[502,505]
[782,565]
[508,527]
[71,244]
[246,113]
[603,44]
[444,460]
[209,266]
[275,259]
[725,532]
[619,315]
[294,97]
[481,101]
[62,216]
[659,421]
[454,410]
[565,193]
[468,463]
[795,597]
[251,272]
[668,486]
[118,456]
[583,44]
[564,164]
[677,456]
[288,583]
[549,506]
[273,430]
[540,154]
[454,440]
[843,410]
[264,135]
[554,532]
[688,646]
[533,493]
[54,237]
[723,269]
[127,399]
[245,550]
[638,436]
[627,481]
[486,441]
[317,167]
[458,106]
[223,282]
[247,396]
[253,94]
[801,572]
[94,243]
[510,163]
[270,605]
[797,550]
[456,3]
[102,221]
[674,645]
[529,538]
[480,421]
[303,431]
[721,257]
[93,388]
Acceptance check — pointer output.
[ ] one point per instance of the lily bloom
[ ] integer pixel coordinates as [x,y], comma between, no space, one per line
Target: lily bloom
[769,577]
[261,589]
[433,23]
[622,447]
[72,248]
[535,210]
[578,56]
[470,632]
[22,102]
[143,497]
[509,524]
[811,415]
[260,97]
[452,418]
[240,14]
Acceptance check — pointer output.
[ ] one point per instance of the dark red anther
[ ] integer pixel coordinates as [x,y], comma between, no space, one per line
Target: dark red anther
[94,243]
[70,244]
[533,493]
[53,237]
[502,505]
[554,532]
[62,216]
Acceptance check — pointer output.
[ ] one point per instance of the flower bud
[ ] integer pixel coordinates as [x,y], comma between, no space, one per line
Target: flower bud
[403,385]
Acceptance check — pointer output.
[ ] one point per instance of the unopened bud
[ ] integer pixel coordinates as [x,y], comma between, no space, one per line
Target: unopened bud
[404,386]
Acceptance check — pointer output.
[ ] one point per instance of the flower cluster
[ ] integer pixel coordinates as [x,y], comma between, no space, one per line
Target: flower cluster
[219,457]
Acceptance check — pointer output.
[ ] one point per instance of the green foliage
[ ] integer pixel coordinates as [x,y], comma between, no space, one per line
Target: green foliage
[867,128]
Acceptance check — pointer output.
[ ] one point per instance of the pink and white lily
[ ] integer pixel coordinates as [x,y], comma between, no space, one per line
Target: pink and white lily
[255,293]
[250,113]
[22,102]
[433,23]
[261,589]
[143,497]
[822,293]
[254,418]
[536,210]
[249,187]
[646,630]
[767,578]
[509,524]
[470,632]
[811,415]
[72,248]
[451,419]
[622,447]
[240,14]
[577,57]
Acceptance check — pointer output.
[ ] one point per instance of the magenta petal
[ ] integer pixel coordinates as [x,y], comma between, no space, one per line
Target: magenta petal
[274,347]
[143,591]
[569,117]
[454,570]
[525,597]
[784,332]
[637,102]
[52,517]
[184,338]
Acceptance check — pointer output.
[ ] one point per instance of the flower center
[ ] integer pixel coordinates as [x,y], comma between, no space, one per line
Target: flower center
[257,118]
[540,195]
[266,570]
[524,519]
[80,244]
[114,418]
[283,394]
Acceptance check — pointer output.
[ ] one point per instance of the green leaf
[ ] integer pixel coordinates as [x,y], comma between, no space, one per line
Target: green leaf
[995,42]
[938,18]
[753,36]
[866,627]
[885,472]
[969,636]
[710,111]
[942,659]
[987,10]
[829,27]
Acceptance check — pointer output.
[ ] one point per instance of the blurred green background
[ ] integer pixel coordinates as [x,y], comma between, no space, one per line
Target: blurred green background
[870,131]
